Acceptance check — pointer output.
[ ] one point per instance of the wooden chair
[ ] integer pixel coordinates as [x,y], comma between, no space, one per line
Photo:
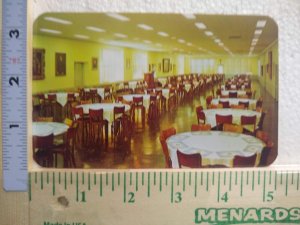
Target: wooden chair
[116,128]
[200,115]
[139,108]
[244,161]
[261,120]
[259,103]
[67,148]
[200,127]
[221,119]
[250,123]
[82,121]
[233,128]
[266,152]
[153,111]
[245,104]
[233,94]
[97,128]
[225,104]
[42,150]
[208,100]
[94,96]
[172,101]
[189,160]
[164,135]
[70,100]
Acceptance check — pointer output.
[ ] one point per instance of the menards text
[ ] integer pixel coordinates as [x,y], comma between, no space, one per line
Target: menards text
[247,215]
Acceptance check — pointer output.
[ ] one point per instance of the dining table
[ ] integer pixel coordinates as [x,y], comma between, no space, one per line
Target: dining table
[215,147]
[43,129]
[210,115]
[235,101]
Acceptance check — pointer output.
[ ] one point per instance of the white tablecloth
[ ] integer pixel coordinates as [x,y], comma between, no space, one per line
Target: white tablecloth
[100,91]
[108,109]
[210,115]
[46,128]
[165,91]
[235,101]
[240,92]
[215,147]
[61,97]
[163,81]
[146,99]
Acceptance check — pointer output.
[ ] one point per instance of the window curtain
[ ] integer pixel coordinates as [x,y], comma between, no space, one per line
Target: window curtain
[140,60]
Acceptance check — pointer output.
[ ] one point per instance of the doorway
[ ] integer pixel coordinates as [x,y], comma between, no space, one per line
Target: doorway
[78,74]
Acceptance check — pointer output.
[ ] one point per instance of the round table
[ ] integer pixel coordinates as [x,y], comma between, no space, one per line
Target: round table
[108,109]
[210,115]
[43,129]
[215,147]
[235,101]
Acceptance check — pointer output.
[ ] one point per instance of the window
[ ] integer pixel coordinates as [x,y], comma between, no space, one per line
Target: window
[202,65]
[180,69]
[140,62]
[111,65]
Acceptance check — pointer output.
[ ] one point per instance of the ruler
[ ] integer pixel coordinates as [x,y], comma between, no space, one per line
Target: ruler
[14,97]
[165,197]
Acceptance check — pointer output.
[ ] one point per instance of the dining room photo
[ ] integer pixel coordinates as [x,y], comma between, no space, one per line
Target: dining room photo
[150,90]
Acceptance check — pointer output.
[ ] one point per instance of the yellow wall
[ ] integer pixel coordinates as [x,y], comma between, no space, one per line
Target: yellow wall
[83,51]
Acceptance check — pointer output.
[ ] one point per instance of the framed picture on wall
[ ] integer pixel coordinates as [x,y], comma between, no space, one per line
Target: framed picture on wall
[166,65]
[38,64]
[94,63]
[159,67]
[60,64]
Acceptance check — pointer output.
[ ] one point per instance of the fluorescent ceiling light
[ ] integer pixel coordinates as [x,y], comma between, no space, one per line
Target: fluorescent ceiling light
[164,34]
[118,16]
[132,45]
[201,26]
[257,32]
[261,23]
[181,40]
[80,36]
[145,27]
[255,40]
[189,16]
[120,35]
[50,31]
[147,41]
[208,33]
[57,20]
[96,29]
[217,40]
[221,44]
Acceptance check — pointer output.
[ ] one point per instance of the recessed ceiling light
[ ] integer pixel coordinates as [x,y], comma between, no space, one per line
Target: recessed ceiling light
[145,27]
[201,26]
[255,40]
[147,41]
[50,31]
[120,35]
[96,29]
[164,34]
[57,20]
[221,44]
[261,23]
[80,36]
[189,16]
[208,33]
[181,41]
[217,40]
[257,32]
[118,16]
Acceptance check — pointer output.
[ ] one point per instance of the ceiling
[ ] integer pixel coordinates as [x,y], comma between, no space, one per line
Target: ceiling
[236,33]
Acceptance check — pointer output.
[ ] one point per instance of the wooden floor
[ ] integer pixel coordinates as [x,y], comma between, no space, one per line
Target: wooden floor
[145,148]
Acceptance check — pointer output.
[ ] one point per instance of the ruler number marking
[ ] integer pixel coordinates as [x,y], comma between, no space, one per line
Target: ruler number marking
[13,80]
[14,33]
